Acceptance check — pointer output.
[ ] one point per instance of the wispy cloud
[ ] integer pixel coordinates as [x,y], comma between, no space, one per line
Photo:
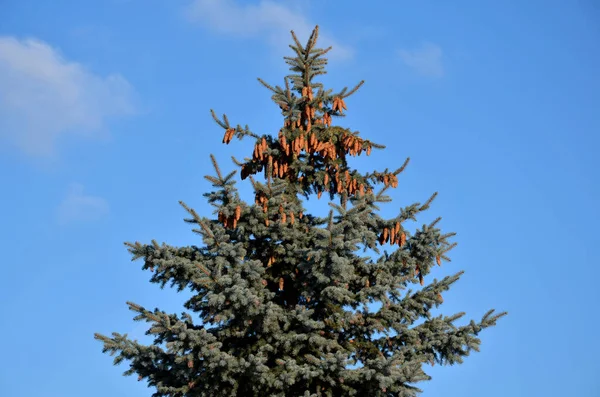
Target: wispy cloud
[80,207]
[425,60]
[44,97]
[269,20]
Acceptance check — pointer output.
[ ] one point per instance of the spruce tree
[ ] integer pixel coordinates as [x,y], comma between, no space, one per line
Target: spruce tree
[282,300]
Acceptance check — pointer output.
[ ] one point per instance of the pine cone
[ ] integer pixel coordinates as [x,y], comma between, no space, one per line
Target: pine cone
[228,135]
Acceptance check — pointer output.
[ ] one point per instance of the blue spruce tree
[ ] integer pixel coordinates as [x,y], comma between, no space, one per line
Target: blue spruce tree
[280,297]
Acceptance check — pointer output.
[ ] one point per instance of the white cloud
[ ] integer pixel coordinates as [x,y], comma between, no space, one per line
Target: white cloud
[268,19]
[44,97]
[78,206]
[426,60]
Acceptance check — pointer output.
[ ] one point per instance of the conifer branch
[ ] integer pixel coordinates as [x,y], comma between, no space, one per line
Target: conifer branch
[238,130]
[312,40]
[216,167]
[195,217]
[352,91]
[208,232]
[435,222]
[401,169]
[224,124]
[319,54]
[298,47]
[428,202]
[236,161]
[267,85]
[380,198]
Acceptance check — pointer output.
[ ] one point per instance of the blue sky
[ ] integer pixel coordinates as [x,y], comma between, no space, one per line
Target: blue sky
[105,125]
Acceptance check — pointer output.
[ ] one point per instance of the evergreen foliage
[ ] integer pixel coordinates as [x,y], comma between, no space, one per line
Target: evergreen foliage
[282,294]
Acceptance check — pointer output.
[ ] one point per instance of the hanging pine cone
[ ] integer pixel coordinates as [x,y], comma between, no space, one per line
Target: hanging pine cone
[229,133]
